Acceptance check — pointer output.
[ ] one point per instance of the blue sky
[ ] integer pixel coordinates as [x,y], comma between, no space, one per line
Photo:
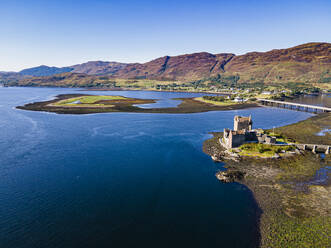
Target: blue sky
[61,33]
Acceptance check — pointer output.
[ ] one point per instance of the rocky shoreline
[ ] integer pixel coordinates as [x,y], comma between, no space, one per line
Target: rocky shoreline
[294,214]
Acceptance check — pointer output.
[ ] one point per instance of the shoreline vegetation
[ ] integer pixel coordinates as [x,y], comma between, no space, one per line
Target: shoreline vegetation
[294,200]
[88,104]
[217,100]
[160,90]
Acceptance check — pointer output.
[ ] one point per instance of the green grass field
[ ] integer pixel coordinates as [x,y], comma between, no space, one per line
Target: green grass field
[305,131]
[307,232]
[218,103]
[262,150]
[87,101]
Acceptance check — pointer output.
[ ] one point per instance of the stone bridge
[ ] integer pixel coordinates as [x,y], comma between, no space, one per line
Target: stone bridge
[294,106]
[314,148]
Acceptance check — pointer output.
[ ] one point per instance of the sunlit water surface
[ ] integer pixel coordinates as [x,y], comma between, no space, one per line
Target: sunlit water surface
[120,179]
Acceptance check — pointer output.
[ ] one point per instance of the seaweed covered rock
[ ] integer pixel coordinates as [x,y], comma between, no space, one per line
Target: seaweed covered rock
[230,176]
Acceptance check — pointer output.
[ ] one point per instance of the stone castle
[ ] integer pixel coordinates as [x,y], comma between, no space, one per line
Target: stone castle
[243,133]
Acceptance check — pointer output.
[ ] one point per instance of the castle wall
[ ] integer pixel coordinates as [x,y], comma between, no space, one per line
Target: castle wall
[234,139]
[251,136]
[238,140]
[227,138]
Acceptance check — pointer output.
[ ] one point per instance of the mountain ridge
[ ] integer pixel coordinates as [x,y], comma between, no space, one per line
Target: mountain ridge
[303,63]
[44,70]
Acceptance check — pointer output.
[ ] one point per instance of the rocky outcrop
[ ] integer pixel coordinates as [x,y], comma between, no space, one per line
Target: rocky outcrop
[225,154]
[230,176]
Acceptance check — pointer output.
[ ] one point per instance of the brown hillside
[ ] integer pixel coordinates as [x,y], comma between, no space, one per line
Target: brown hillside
[189,66]
[98,67]
[307,62]
[61,80]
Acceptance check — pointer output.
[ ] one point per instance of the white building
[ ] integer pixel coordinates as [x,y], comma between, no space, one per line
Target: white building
[238,99]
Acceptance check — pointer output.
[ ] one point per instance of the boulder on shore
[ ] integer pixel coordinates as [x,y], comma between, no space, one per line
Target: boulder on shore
[230,176]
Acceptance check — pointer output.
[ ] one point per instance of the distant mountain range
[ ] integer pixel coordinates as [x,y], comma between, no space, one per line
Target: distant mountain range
[44,70]
[98,68]
[310,62]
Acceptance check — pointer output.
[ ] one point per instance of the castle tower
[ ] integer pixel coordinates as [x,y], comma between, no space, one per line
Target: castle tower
[242,123]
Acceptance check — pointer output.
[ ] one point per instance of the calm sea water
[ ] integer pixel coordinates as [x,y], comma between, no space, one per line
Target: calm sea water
[320,100]
[119,179]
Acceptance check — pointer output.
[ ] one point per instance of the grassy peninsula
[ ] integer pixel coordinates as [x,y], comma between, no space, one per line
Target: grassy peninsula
[88,104]
[296,207]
